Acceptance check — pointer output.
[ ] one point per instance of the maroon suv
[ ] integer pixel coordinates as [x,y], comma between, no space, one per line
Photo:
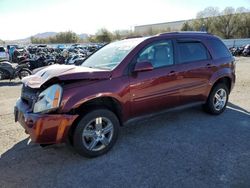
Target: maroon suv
[130,78]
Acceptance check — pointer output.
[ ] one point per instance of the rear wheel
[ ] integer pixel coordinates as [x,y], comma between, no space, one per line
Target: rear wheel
[217,100]
[96,133]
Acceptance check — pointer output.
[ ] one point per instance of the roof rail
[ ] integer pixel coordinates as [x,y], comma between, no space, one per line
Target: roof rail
[185,32]
[132,37]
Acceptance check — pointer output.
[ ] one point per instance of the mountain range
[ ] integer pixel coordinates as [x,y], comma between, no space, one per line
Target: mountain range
[42,35]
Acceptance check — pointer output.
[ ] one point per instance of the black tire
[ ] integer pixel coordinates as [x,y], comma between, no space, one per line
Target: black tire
[23,72]
[80,141]
[2,75]
[210,106]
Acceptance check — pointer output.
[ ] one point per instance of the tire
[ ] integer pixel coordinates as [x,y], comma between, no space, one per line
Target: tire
[96,133]
[23,73]
[2,75]
[216,104]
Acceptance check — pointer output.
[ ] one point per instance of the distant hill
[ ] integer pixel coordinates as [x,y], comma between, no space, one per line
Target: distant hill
[44,35]
[52,34]
[41,35]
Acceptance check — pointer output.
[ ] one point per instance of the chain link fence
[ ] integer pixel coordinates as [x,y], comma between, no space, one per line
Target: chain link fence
[236,42]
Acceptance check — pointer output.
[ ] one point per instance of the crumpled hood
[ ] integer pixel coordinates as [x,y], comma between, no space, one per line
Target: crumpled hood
[64,72]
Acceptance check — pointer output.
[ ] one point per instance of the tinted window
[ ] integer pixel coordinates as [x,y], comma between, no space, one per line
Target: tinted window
[159,54]
[219,49]
[191,51]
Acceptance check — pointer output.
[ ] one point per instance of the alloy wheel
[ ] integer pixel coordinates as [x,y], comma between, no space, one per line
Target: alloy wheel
[220,99]
[97,134]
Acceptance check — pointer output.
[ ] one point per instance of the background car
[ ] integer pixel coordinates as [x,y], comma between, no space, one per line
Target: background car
[3,53]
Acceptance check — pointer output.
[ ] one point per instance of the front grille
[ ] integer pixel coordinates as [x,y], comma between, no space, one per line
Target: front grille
[29,95]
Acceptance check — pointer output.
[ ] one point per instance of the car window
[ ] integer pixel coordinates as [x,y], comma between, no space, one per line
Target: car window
[219,48]
[159,54]
[191,51]
[112,54]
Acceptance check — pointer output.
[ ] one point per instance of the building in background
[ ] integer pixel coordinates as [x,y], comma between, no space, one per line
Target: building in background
[160,27]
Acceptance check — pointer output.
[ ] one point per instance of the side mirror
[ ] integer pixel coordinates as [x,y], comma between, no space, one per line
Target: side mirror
[143,66]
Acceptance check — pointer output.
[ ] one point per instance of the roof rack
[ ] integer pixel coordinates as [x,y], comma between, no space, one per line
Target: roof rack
[184,32]
[132,37]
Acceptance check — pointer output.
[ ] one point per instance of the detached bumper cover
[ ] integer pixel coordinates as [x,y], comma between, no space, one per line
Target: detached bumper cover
[43,128]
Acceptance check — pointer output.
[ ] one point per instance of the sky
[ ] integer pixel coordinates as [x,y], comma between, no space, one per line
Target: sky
[23,18]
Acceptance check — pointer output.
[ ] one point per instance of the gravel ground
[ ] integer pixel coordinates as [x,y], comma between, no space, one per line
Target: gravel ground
[185,148]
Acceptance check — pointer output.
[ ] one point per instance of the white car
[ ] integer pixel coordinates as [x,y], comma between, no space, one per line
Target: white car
[3,53]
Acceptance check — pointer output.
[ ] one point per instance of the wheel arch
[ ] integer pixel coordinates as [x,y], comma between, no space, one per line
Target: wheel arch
[223,80]
[225,75]
[107,102]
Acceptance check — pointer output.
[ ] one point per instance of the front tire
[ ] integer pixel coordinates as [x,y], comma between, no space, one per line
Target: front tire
[96,133]
[217,100]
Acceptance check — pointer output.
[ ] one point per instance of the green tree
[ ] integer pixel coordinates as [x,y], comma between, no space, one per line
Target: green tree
[103,35]
[229,23]
[186,27]
[62,37]
[205,19]
[226,23]
[243,23]
[65,37]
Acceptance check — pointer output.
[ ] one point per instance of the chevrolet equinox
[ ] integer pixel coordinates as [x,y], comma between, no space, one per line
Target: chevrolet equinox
[124,80]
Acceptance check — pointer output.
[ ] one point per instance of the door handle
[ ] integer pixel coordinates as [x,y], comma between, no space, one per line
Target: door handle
[171,73]
[209,65]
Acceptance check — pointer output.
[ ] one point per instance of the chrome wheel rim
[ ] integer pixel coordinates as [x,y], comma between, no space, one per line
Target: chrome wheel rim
[98,134]
[220,99]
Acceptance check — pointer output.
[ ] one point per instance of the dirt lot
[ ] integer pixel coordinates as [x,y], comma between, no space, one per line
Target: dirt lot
[187,148]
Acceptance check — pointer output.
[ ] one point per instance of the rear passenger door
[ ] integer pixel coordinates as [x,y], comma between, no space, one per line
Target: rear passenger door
[195,67]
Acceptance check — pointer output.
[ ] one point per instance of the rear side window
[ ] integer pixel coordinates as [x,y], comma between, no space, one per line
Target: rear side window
[219,49]
[191,51]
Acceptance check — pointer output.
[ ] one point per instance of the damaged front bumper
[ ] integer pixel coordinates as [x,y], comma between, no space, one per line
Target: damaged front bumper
[43,128]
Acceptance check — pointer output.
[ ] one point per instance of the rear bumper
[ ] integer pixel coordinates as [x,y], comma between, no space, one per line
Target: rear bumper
[43,128]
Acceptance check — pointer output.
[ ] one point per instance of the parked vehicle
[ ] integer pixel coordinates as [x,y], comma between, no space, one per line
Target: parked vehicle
[3,53]
[9,71]
[10,51]
[19,55]
[75,59]
[237,51]
[246,51]
[38,61]
[86,105]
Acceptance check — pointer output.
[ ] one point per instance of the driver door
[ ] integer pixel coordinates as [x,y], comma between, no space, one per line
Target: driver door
[155,89]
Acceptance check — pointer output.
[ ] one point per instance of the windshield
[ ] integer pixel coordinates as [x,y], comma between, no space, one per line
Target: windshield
[112,54]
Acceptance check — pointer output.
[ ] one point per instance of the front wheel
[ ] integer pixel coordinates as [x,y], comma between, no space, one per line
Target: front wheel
[96,133]
[217,100]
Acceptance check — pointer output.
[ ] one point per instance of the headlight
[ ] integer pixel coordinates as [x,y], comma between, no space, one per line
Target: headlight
[49,99]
